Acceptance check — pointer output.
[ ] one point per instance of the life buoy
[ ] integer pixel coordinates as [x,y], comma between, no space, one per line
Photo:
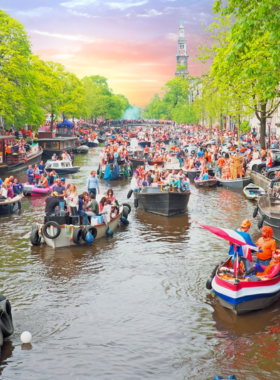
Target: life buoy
[129,193]
[260,222]
[6,320]
[54,224]
[77,235]
[91,230]
[255,212]
[35,238]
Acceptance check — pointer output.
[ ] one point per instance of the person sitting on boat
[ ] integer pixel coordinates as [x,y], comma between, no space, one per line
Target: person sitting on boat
[276,179]
[92,207]
[51,203]
[17,187]
[54,157]
[264,272]
[267,245]
[185,183]
[110,195]
[205,176]
[43,182]
[3,192]
[82,206]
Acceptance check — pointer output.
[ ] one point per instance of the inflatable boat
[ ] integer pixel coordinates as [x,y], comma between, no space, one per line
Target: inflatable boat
[35,191]
[10,205]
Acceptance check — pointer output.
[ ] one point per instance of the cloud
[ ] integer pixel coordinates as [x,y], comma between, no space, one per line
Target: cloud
[151,13]
[36,12]
[77,3]
[122,6]
[64,36]
[79,14]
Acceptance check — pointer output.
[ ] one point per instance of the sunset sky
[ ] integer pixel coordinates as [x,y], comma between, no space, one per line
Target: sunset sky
[132,43]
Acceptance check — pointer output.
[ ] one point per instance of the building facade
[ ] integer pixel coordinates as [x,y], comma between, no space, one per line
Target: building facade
[182,55]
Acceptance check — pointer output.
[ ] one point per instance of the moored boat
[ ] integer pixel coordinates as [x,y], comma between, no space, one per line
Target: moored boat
[211,182]
[268,209]
[253,191]
[194,173]
[238,183]
[162,200]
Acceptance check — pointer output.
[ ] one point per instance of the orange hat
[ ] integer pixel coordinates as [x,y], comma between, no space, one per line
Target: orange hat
[246,223]
[268,231]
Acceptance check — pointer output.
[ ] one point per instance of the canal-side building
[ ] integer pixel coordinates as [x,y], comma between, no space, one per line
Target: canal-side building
[182,55]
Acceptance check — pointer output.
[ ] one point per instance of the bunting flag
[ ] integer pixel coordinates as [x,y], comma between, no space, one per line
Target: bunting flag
[242,239]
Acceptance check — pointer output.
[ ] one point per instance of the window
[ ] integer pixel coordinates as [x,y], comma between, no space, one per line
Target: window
[55,165]
[67,164]
[63,164]
[51,145]
[182,46]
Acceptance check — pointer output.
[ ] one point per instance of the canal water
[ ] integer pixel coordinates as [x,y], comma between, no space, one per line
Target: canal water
[133,306]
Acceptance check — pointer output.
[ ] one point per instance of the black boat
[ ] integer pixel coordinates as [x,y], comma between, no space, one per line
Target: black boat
[57,145]
[101,138]
[162,201]
[192,174]
[268,209]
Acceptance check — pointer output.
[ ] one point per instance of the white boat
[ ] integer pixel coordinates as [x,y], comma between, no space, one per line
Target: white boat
[172,164]
[253,191]
[67,235]
[238,183]
[61,167]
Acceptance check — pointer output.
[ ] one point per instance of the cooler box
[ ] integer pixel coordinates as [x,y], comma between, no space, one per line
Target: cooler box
[96,220]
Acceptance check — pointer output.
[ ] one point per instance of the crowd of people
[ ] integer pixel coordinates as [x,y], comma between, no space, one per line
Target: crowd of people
[84,205]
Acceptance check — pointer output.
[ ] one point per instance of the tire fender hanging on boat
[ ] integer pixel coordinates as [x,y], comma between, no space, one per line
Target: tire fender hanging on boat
[209,281]
[92,230]
[129,193]
[35,238]
[260,222]
[255,212]
[77,235]
[54,224]
[6,320]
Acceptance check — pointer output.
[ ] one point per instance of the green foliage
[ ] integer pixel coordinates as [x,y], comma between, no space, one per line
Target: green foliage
[30,87]
[245,126]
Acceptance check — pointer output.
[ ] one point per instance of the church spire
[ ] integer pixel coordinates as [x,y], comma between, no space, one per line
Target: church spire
[182,55]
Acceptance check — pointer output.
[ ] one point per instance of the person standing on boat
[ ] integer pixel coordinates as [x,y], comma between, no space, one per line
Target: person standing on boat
[51,203]
[30,174]
[267,245]
[238,250]
[41,167]
[93,184]
[220,163]
[61,191]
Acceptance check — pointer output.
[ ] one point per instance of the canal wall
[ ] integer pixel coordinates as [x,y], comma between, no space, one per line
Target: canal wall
[260,180]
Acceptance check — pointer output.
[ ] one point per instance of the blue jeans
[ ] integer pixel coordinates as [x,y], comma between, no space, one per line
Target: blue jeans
[264,262]
[218,170]
[93,191]
[61,205]
[84,214]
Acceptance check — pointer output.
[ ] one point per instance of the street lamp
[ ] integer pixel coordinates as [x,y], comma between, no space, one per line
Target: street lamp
[268,120]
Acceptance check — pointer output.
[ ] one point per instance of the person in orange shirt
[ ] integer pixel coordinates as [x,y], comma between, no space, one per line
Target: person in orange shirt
[221,163]
[267,245]
[9,181]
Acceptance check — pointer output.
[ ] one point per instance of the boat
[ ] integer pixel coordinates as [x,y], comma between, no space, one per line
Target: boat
[238,183]
[253,191]
[143,144]
[35,191]
[10,205]
[91,144]
[173,164]
[112,172]
[194,173]
[61,167]
[57,145]
[162,200]
[101,139]
[82,149]
[268,210]
[211,182]
[57,235]
[11,162]
[242,296]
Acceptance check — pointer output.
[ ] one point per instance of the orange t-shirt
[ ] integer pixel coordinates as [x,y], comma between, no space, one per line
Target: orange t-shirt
[267,246]
[221,162]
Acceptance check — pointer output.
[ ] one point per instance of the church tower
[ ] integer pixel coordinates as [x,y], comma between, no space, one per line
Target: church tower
[182,55]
